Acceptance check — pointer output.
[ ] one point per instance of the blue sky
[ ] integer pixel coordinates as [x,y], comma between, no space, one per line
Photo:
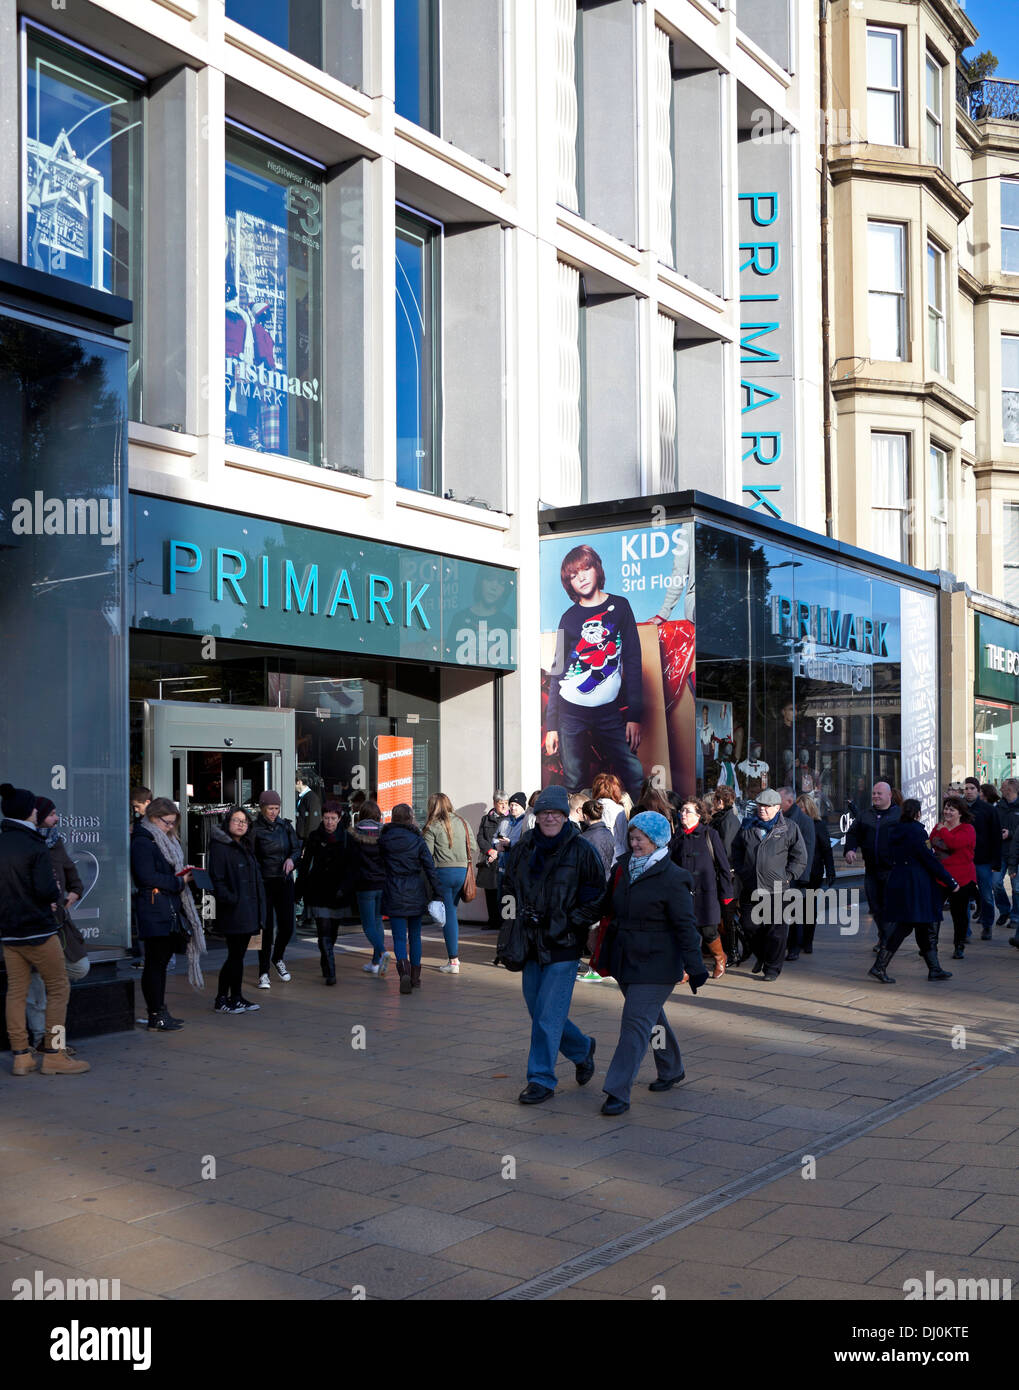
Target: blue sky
[998,22]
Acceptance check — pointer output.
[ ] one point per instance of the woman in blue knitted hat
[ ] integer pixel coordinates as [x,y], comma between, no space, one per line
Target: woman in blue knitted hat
[651,945]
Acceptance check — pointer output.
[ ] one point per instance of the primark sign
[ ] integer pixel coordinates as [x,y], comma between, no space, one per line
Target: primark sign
[813,626]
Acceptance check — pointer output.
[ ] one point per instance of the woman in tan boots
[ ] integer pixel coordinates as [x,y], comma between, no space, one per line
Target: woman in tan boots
[697,848]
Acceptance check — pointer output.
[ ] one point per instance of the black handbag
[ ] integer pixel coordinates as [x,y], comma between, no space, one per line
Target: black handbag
[512,947]
[180,935]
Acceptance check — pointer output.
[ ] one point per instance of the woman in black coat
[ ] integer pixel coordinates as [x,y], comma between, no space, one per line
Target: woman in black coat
[409,886]
[697,848]
[651,945]
[912,899]
[240,902]
[322,877]
[820,870]
[156,861]
[726,823]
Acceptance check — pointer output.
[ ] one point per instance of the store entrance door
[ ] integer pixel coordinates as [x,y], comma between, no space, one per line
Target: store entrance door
[209,757]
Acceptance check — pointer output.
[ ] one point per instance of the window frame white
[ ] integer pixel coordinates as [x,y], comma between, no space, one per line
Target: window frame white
[1010,566]
[934,120]
[1009,229]
[1009,390]
[937,314]
[938,466]
[888,32]
[881,295]
[884,543]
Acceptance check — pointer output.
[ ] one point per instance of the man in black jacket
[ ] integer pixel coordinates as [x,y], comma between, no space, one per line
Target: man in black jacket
[277,850]
[987,855]
[1007,811]
[29,900]
[554,884]
[869,834]
[768,856]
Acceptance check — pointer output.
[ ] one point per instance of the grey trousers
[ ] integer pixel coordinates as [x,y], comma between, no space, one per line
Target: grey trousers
[643,1012]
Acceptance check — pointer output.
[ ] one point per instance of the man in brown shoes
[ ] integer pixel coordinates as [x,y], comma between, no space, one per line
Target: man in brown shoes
[28,932]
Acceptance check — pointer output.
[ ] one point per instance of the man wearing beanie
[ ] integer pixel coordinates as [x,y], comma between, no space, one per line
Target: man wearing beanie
[29,897]
[71,889]
[553,884]
[277,850]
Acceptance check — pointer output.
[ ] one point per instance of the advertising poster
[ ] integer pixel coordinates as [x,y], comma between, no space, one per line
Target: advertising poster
[617,622]
[272,276]
[63,194]
[396,772]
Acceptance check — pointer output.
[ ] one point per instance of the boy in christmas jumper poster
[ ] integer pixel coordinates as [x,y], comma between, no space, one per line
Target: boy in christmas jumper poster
[596,693]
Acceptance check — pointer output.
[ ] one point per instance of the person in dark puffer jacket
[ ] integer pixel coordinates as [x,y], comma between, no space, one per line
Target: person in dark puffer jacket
[556,882]
[240,903]
[366,877]
[410,885]
[321,883]
[651,945]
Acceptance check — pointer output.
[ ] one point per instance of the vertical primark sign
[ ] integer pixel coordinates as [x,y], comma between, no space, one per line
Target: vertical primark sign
[767,344]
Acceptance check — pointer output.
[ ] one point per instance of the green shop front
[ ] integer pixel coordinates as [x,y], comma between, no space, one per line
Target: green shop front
[996,698]
[260,650]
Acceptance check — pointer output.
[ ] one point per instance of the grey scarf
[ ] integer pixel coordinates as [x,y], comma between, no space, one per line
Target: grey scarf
[173,852]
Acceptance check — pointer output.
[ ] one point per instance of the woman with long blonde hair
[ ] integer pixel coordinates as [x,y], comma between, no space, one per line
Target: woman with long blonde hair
[451,846]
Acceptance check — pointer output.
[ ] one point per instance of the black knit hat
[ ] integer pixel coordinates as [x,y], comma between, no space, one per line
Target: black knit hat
[44,806]
[16,802]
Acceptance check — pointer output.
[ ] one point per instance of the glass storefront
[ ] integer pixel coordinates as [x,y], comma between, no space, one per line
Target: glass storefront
[83,151]
[996,704]
[704,655]
[63,682]
[273,279]
[342,705]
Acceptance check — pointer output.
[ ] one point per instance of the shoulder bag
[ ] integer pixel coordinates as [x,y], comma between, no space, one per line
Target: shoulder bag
[470,889]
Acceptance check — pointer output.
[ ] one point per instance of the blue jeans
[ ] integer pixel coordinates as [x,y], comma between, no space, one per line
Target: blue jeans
[547,993]
[401,927]
[605,728]
[985,886]
[1001,899]
[369,907]
[451,881]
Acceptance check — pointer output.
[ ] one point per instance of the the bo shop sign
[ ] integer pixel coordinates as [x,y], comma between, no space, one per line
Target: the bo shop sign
[997,663]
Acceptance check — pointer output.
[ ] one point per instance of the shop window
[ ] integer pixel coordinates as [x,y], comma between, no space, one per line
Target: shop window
[273,280]
[321,32]
[933,128]
[1010,546]
[994,736]
[1010,226]
[1010,387]
[890,494]
[884,86]
[937,503]
[417,62]
[83,176]
[936,334]
[418,362]
[886,255]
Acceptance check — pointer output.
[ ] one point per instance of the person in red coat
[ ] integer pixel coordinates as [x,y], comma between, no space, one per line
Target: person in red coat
[954,841]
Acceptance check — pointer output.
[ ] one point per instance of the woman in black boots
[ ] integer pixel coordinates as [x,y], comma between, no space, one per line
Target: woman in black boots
[160,883]
[240,903]
[410,885]
[912,898]
[697,848]
[321,878]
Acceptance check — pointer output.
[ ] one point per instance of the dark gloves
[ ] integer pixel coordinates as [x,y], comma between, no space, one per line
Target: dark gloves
[695,981]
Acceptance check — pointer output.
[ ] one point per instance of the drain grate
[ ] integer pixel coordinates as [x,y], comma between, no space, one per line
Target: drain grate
[593,1261]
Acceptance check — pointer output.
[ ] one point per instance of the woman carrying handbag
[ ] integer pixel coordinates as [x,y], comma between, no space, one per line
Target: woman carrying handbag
[452,848]
[168,921]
